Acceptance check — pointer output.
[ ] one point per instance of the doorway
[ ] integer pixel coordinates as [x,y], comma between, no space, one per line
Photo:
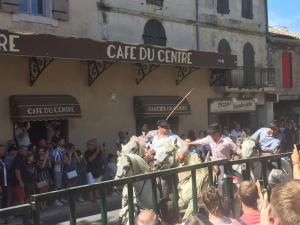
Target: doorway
[40,130]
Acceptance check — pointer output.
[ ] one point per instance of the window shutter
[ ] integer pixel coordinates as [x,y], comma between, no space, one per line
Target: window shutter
[287,67]
[223,6]
[226,7]
[250,9]
[61,9]
[244,8]
[10,6]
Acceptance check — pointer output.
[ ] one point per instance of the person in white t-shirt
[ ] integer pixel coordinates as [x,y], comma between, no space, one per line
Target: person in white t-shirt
[22,135]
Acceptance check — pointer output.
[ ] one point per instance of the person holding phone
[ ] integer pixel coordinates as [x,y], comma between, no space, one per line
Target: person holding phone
[296,161]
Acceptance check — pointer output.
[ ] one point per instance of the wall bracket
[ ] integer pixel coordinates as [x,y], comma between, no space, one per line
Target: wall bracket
[144,70]
[36,67]
[184,72]
[95,69]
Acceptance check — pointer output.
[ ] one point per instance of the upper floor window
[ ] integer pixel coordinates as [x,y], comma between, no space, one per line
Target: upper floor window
[287,70]
[247,9]
[154,33]
[224,47]
[36,7]
[155,2]
[223,6]
[249,65]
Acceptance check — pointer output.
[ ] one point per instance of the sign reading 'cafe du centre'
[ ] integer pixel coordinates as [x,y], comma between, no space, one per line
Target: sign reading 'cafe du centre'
[51,46]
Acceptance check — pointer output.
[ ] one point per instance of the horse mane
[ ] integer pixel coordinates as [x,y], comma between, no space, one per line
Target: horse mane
[140,162]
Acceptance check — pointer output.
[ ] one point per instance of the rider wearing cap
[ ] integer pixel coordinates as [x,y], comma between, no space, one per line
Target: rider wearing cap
[157,137]
[221,148]
[268,142]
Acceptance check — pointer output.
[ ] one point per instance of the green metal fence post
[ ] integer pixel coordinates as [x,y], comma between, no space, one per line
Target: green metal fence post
[175,194]
[130,203]
[36,212]
[279,162]
[264,173]
[72,209]
[194,191]
[210,176]
[228,189]
[247,175]
[103,208]
[154,195]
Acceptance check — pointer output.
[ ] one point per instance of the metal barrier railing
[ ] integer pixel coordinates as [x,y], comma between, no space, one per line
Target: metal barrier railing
[71,193]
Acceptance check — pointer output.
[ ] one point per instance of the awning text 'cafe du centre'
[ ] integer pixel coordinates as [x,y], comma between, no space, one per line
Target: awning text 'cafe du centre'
[48,104]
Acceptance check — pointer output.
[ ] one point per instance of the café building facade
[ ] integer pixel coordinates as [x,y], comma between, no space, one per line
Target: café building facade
[96,88]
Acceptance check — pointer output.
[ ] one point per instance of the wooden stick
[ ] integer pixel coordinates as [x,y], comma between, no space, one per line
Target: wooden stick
[176,107]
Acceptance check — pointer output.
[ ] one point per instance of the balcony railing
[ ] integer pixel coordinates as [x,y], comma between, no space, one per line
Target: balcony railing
[247,78]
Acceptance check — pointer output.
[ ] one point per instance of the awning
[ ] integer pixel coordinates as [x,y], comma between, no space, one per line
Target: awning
[43,107]
[159,106]
[53,46]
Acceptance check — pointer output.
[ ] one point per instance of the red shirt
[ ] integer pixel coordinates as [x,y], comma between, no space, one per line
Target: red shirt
[249,219]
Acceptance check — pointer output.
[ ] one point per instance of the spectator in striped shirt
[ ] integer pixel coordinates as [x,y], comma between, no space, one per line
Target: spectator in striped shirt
[58,156]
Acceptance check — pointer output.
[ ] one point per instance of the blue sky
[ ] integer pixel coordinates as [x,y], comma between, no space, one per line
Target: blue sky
[285,13]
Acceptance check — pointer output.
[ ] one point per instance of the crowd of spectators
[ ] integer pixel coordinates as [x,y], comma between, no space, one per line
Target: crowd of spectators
[26,170]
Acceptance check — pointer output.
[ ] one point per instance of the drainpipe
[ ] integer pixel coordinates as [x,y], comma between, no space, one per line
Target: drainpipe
[267,34]
[197,26]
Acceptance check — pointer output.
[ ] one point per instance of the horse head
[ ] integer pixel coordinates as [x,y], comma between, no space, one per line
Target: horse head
[248,147]
[165,156]
[133,147]
[129,165]
[124,166]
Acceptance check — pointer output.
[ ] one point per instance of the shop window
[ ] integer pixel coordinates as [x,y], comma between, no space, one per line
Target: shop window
[155,2]
[223,6]
[154,33]
[287,68]
[247,9]
[36,7]
[249,65]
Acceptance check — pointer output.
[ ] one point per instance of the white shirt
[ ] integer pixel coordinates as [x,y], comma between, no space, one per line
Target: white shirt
[24,140]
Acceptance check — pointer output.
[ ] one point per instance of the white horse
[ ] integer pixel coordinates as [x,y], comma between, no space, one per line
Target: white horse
[129,165]
[166,157]
[134,147]
[248,147]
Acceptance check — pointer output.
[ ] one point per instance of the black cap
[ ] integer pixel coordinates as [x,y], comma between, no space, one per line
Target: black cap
[145,128]
[212,128]
[163,124]
[273,124]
